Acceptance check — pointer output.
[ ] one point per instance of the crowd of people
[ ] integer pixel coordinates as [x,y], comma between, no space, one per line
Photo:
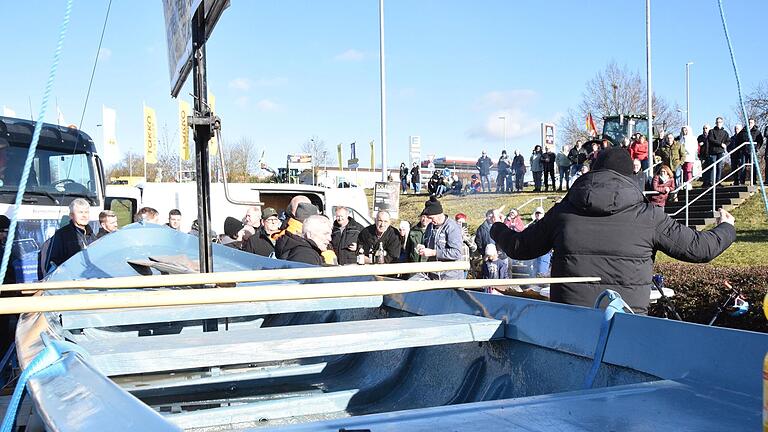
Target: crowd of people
[603,227]
[675,160]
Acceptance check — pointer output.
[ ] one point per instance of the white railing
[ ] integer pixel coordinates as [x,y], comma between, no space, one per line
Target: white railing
[688,184]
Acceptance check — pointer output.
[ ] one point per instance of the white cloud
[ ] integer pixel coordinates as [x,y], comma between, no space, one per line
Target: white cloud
[350,55]
[243,84]
[502,108]
[266,105]
[105,54]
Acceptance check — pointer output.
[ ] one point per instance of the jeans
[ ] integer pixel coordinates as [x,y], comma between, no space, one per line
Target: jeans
[737,163]
[537,180]
[485,182]
[416,186]
[441,190]
[565,173]
[645,164]
[501,182]
[575,168]
[716,172]
[678,176]
[404,185]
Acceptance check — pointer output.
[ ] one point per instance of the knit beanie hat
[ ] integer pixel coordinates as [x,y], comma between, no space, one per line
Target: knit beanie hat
[232,226]
[305,210]
[432,207]
[614,158]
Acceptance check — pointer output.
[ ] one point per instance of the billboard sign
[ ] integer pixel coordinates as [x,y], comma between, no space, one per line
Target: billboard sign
[178,34]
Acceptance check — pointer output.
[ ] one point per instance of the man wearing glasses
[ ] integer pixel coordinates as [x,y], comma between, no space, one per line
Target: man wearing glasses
[261,243]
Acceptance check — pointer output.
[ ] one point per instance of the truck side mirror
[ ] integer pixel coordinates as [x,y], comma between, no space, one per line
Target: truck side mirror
[124,208]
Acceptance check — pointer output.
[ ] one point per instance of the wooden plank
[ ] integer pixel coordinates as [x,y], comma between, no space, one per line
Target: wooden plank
[179,297]
[301,273]
[124,356]
[118,317]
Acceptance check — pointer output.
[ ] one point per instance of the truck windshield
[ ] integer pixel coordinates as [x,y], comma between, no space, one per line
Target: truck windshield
[56,175]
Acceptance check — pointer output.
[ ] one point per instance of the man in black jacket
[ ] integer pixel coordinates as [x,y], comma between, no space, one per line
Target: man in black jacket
[548,164]
[604,227]
[382,233]
[310,247]
[73,237]
[261,243]
[746,151]
[344,236]
[483,166]
[717,141]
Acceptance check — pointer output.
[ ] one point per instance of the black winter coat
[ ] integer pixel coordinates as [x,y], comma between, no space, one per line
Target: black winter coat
[260,243]
[715,138]
[484,165]
[415,175]
[341,239]
[67,241]
[605,227]
[294,248]
[370,244]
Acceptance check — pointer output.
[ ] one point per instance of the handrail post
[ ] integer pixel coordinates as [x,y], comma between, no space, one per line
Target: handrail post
[687,206]
[714,190]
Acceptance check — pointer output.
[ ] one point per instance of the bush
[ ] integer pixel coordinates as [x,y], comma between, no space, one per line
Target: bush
[699,289]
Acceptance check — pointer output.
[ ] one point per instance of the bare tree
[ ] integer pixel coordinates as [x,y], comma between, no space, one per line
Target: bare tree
[615,90]
[240,159]
[320,154]
[756,103]
[131,164]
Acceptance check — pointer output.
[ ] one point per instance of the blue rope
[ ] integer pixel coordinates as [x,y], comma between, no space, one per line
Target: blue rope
[755,160]
[52,353]
[35,139]
[617,304]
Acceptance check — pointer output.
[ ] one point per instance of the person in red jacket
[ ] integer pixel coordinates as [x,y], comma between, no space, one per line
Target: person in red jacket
[663,183]
[638,149]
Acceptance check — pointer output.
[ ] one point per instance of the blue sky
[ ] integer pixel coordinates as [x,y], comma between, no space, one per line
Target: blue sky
[285,71]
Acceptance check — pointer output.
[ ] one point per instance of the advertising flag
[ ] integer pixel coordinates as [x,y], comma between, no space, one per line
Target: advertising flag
[213,144]
[185,110]
[150,135]
[109,128]
[341,165]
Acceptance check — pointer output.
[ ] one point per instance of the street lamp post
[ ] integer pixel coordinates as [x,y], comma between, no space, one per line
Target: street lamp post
[504,122]
[688,93]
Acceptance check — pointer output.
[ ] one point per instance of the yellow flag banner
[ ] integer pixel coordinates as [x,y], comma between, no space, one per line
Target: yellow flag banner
[185,110]
[341,166]
[213,144]
[150,135]
[373,157]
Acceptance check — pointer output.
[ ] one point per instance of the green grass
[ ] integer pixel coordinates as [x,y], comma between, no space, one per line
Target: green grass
[751,246]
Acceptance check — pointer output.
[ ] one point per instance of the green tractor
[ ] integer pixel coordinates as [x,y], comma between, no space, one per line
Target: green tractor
[618,127]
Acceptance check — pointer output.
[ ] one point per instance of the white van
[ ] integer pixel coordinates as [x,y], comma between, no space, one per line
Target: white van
[165,197]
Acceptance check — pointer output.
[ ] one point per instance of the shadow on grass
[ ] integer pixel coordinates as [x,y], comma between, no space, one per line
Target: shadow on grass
[752,235]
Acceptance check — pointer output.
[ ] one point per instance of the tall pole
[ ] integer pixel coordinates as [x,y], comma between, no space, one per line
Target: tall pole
[202,134]
[382,79]
[688,93]
[649,86]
